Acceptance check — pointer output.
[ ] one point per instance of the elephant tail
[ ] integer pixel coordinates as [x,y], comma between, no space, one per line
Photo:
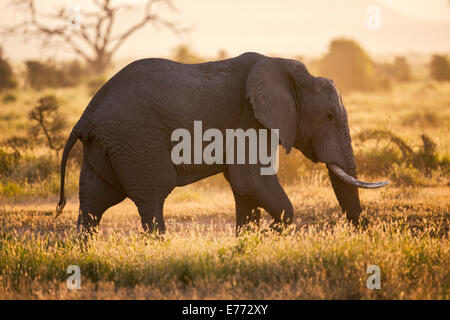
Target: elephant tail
[74,136]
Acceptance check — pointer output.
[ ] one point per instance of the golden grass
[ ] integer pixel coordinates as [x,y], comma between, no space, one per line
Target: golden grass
[407,101]
[199,257]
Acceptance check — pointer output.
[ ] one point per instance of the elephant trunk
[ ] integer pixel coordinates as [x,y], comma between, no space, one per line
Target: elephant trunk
[344,179]
[347,196]
[346,193]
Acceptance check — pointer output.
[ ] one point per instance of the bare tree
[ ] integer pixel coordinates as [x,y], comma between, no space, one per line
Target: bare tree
[93,38]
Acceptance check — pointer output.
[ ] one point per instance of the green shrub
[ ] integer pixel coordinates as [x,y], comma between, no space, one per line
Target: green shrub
[408,163]
[427,159]
[378,134]
[20,168]
[11,189]
[18,144]
[8,98]
[407,175]
[349,65]
[34,169]
[29,173]
[48,124]
[439,68]
[8,162]
[377,161]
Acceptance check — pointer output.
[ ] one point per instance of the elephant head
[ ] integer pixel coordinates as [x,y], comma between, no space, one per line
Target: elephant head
[310,116]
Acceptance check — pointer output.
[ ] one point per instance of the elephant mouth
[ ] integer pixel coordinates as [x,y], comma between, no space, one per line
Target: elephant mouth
[308,151]
[313,157]
[341,174]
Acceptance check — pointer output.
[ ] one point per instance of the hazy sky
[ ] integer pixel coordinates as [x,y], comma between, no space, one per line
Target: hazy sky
[421,9]
[285,27]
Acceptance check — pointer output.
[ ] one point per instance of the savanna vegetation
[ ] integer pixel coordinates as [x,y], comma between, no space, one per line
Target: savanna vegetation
[400,128]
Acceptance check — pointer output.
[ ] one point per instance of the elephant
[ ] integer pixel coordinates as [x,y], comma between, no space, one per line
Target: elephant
[126,132]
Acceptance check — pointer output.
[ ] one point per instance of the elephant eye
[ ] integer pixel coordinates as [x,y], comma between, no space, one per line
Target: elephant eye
[329,116]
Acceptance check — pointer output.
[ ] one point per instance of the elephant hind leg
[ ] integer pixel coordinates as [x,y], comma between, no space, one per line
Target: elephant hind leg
[96,196]
[148,177]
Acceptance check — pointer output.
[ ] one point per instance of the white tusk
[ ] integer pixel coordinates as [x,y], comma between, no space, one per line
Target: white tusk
[350,180]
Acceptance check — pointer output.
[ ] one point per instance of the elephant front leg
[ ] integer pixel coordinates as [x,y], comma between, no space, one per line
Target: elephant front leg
[247,213]
[279,207]
[152,217]
[264,191]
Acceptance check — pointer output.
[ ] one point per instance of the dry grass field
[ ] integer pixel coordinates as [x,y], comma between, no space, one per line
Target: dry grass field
[320,257]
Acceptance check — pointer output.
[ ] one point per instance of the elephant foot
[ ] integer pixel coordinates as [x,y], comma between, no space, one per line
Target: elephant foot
[255,217]
[278,227]
[153,236]
[153,229]
[250,223]
[152,217]
[362,223]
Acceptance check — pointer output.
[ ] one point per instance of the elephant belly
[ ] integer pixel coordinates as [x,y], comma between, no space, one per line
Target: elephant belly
[187,174]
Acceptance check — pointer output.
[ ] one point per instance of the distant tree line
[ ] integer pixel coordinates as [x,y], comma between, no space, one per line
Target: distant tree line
[7,78]
[49,74]
[346,62]
[351,67]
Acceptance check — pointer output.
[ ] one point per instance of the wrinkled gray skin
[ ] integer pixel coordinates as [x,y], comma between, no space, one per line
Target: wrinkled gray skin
[126,130]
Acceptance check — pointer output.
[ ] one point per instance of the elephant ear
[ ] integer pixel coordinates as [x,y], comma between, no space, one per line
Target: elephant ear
[272,87]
